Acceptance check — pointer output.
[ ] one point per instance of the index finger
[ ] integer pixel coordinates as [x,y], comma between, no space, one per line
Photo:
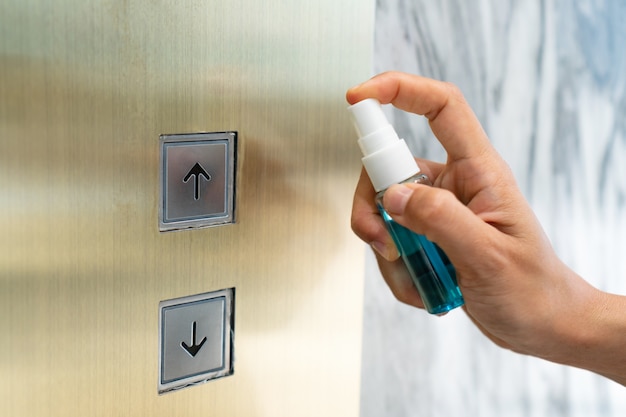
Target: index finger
[451,119]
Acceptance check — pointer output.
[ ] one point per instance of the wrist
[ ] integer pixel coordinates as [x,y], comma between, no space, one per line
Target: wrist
[591,332]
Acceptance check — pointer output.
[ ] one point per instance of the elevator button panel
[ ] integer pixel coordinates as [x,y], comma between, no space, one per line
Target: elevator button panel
[197,180]
[196,339]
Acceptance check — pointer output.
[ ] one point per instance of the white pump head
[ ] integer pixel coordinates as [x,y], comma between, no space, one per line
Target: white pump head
[386,158]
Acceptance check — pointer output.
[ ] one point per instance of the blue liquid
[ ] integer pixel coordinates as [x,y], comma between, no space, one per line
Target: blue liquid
[431,271]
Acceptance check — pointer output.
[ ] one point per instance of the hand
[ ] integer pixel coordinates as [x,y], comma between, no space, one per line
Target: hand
[516,289]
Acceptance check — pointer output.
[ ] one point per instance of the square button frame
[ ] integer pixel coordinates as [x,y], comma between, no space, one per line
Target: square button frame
[182,211]
[180,369]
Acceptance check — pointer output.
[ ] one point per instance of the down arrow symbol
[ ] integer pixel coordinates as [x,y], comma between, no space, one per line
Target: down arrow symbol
[193,349]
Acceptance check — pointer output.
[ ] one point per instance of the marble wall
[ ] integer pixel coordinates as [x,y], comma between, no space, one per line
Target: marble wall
[547,78]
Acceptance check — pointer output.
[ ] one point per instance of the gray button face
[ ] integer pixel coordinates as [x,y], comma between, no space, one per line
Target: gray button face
[197,180]
[186,330]
[195,339]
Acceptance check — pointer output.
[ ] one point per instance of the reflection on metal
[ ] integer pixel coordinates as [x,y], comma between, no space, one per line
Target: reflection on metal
[86,89]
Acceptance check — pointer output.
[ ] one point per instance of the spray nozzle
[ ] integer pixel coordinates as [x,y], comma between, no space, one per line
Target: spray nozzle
[386,158]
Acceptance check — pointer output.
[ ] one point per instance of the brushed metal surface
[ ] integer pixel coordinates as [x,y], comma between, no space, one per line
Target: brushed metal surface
[86,88]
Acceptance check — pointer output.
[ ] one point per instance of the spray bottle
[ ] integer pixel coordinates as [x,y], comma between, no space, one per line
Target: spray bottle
[388,160]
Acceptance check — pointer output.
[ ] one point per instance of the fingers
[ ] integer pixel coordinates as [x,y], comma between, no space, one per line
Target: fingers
[440,216]
[399,282]
[429,168]
[367,223]
[451,118]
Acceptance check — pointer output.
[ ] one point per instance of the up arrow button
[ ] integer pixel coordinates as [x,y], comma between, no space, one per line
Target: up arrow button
[190,197]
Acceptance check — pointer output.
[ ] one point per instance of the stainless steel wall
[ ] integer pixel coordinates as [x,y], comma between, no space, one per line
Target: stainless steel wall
[86,88]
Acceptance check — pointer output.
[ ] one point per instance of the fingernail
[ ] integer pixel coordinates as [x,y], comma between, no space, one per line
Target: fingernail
[396,198]
[389,253]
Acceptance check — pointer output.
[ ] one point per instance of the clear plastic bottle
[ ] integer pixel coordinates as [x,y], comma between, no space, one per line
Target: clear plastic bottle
[388,160]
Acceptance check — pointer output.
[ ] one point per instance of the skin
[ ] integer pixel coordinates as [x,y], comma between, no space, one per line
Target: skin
[516,290]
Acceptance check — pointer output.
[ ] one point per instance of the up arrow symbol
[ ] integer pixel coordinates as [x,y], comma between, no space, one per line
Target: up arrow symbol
[196,171]
[193,349]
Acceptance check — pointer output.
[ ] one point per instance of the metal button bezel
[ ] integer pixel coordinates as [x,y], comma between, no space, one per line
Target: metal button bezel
[188,199]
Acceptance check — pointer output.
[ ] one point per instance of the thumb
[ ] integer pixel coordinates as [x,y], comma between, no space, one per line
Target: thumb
[437,214]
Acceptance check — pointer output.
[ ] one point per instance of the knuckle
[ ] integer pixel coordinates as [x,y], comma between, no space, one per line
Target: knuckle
[433,202]
[401,296]
[407,295]
[359,226]
[367,228]
[454,92]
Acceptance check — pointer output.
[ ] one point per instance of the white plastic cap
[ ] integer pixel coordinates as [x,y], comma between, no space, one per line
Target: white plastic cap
[386,158]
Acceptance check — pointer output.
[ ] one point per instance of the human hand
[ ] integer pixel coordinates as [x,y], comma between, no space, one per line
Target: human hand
[516,290]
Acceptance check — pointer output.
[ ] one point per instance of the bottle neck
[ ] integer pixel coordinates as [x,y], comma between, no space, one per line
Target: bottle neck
[418,178]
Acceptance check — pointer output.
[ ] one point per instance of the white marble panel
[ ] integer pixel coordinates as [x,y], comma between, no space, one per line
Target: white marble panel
[548,81]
